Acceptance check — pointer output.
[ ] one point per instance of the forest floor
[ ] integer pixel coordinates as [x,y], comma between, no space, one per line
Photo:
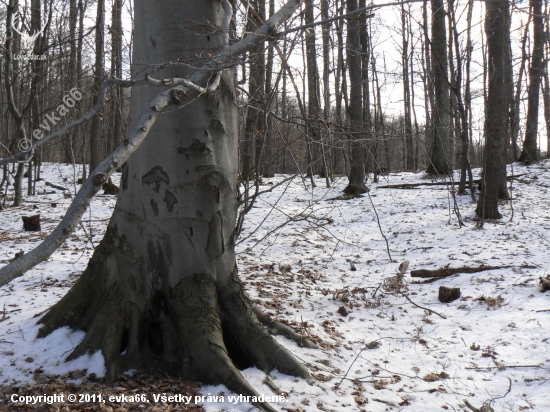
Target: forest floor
[320,263]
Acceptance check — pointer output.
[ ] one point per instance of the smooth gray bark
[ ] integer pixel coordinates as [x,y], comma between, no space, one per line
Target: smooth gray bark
[162,287]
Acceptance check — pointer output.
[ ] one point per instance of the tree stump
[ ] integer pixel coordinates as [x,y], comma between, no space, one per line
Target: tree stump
[110,188]
[545,283]
[447,295]
[31,223]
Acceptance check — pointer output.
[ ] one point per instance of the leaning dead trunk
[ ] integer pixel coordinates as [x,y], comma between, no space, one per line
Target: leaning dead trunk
[162,286]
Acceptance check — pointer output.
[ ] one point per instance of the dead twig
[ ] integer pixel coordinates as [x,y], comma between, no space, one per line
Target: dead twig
[422,307]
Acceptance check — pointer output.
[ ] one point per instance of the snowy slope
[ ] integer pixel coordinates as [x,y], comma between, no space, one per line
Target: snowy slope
[296,254]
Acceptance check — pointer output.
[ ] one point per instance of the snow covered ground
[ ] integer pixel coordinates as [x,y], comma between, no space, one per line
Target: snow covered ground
[377,351]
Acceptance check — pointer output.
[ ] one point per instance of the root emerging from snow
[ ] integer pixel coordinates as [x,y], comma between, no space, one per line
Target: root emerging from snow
[197,329]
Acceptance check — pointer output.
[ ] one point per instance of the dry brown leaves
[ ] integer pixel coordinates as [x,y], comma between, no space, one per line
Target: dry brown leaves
[141,383]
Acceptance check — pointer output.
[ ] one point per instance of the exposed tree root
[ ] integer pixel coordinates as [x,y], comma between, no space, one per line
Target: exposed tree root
[278,328]
[355,190]
[198,329]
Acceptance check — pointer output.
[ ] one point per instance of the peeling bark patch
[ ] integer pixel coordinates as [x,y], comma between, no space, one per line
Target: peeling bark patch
[197,148]
[124,177]
[212,182]
[217,127]
[155,207]
[215,244]
[156,175]
[200,213]
[170,200]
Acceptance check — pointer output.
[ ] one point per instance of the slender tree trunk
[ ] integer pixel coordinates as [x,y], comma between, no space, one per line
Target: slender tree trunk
[313,90]
[516,98]
[546,98]
[96,154]
[515,110]
[365,64]
[427,78]
[439,162]
[409,138]
[116,70]
[254,119]
[269,152]
[326,171]
[530,150]
[546,85]
[461,105]
[356,184]
[497,27]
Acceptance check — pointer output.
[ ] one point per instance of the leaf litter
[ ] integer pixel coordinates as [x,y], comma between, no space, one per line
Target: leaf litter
[492,346]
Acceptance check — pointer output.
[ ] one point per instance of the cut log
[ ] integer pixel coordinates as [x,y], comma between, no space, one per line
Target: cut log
[445,272]
[447,295]
[55,186]
[31,223]
[545,283]
[413,185]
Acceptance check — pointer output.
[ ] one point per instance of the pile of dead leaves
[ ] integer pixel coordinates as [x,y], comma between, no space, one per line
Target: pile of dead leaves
[141,383]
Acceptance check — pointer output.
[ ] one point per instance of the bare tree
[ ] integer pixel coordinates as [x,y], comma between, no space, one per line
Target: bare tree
[356,184]
[440,117]
[497,27]
[530,150]
[96,154]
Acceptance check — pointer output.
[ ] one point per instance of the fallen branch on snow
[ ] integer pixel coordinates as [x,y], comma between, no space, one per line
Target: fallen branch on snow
[412,185]
[446,272]
[56,186]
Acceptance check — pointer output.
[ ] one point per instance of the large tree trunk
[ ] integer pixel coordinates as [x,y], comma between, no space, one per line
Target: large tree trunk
[440,162]
[530,150]
[162,286]
[497,27]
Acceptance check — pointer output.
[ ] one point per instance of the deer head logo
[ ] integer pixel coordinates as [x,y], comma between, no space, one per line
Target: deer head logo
[27,40]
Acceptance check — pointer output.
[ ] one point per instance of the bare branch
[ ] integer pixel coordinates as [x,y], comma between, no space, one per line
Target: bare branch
[90,187]
[226,22]
[176,95]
